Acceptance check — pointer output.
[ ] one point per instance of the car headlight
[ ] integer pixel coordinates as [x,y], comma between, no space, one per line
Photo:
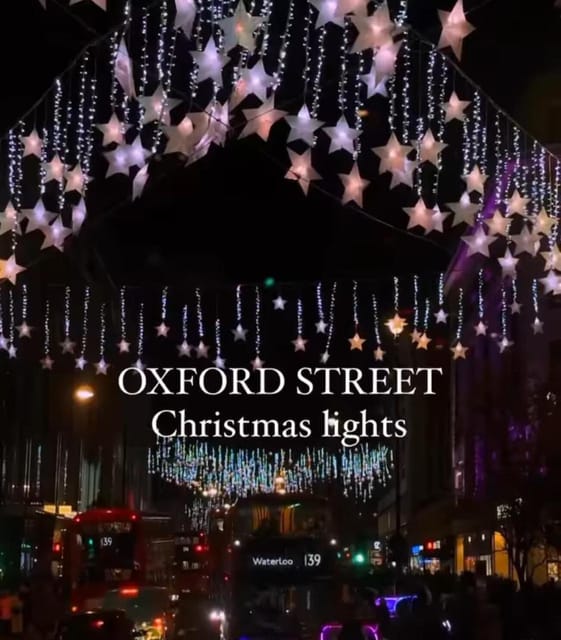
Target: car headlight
[217,616]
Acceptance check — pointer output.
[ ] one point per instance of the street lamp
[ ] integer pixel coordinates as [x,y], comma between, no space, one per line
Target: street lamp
[84,393]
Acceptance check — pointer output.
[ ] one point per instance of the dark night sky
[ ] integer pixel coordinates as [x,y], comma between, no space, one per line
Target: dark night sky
[289,236]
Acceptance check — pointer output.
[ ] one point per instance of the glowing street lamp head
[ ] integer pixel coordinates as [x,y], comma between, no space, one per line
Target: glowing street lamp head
[84,393]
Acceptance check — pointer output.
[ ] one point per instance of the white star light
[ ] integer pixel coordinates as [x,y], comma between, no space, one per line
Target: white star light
[420,216]
[321,326]
[375,85]
[354,186]
[75,180]
[324,357]
[47,363]
[430,149]
[12,351]
[393,155]
[508,264]
[67,345]
[385,59]
[162,330]
[455,28]
[464,210]
[157,107]
[373,31]
[299,344]
[219,362]
[80,363]
[498,224]
[124,346]
[10,269]
[441,317]
[260,120]
[9,219]
[238,29]
[341,136]
[303,127]
[517,204]
[479,242]
[180,137]
[328,12]
[257,363]
[537,326]
[481,329]
[112,130]
[254,81]
[101,368]
[475,180]
[24,330]
[32,144]
[239,333]
[526,242]
[54,170]
[55,235]
[454,108]
[3,342]
[184,349]
[551,283]
[301,169]
[209,62]
[279,303]
[202,350]
[185,14]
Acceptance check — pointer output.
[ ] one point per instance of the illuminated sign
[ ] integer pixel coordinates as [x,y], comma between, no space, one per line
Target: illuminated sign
[284,561]
[106,541]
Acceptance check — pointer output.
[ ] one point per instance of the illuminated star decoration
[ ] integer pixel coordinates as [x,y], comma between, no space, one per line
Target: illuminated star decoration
[32,144]
[430,149]
[238,29]
[341,136]
[112,130]
[454,108]
[24,330]
[239,333]
[441,317]
[437,220]
[459,351]
[157,107]
[415,335]
[261,120]
[515,307]
[102,4]
[455,28]
[185,14]
[358,7]
[552,258]
[508,264]
[279,303]
[354,186]
[12,351]
[55,235]
[80,363]
[257,363]
[551,283]
[393,159]
[526,242]
[498,224]
[303,127]
[139,365]
[327,12]
[396,325]
[219,362]
[123,70]
[299,344]
[9,219]
[420,216]
[301,169]
[184,349]
[179,137]
[3,342]
[481,329]
[209,62]
[54,170]
[543,223]
[504,344]
[10,269]
[423,342]
[373,31]
[478,242]
[67,345]
[101,368]
[537,326]
[47,363]
[375,85]
[356,342]
[75,180]
[254,81]
[202,350]
[124,346]
[321,326]
[475,180]
[517,204]
[324,357]
[379,353]
[162,330]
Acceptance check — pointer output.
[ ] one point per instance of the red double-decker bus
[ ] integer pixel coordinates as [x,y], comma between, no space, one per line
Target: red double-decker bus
[117,548]
[192,563]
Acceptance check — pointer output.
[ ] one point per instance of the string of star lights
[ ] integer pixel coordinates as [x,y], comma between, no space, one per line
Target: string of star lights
[330,325]
[424,340]
[24,330]
[162,329]
[458,350]
[480,327]
[47,362]
[229,473]
[139,364]
[123,344]
[3,340]
[101,367]
[219,362]
[257,362]
[201,349]
[184,349]
[12,351]
[80,361]
[504,342]
[239,332]
[89,320]
[299,343]
[397,324]
[537,324]
[356,342]
[415,335]
[181,44]
[379,353]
